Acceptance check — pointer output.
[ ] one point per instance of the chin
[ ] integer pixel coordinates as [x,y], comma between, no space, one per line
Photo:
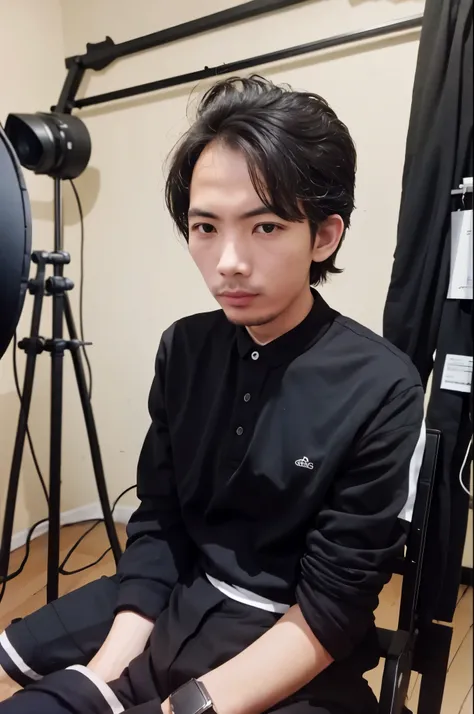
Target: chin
[248,318]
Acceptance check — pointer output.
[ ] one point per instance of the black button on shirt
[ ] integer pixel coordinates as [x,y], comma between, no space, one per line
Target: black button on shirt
[294,494]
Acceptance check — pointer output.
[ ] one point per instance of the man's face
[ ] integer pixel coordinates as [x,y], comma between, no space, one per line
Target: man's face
[256,264]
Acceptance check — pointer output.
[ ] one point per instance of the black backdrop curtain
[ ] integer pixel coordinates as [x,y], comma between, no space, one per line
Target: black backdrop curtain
[418,318]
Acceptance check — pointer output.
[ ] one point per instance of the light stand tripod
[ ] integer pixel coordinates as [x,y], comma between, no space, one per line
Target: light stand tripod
[56,286]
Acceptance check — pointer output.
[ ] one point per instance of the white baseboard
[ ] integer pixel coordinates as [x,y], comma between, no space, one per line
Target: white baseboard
[122,514]
[83,513]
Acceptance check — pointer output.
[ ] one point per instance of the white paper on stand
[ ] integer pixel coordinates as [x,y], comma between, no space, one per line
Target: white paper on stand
[457,373]
[460,281]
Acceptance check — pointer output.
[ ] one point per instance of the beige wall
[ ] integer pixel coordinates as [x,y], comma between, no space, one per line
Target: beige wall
[31,72]
[139,277]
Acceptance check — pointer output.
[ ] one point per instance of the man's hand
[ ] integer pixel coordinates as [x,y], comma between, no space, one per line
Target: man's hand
[126,640]
[165,707]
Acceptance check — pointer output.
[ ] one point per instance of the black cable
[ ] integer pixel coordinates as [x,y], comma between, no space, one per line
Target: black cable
[30,441]
[62,571]
[81,286]
[11,576]
[22,565]
[7,578]
[84,535]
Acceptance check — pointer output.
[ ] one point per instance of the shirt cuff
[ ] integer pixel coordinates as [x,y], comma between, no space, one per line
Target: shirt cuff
[135,596]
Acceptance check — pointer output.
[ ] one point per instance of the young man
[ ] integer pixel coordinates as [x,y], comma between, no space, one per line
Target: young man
[280,467]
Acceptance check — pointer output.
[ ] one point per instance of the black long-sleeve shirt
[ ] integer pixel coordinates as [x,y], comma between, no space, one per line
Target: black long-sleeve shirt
[284,469]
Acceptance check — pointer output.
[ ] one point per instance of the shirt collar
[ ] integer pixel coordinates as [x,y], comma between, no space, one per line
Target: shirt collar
[292,343]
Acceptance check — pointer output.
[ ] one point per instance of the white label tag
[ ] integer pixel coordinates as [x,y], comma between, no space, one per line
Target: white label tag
[457,373]
[460,280]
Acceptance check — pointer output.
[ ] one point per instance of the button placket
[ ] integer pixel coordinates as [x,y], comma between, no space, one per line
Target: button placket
[244,412]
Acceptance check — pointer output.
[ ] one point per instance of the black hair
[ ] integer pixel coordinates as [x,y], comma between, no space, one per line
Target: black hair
[301,157]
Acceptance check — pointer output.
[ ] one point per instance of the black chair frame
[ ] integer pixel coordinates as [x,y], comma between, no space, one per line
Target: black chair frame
[419,644]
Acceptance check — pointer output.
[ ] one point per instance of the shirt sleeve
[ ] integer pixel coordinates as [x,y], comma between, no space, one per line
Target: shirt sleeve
[159,549]
[357,534]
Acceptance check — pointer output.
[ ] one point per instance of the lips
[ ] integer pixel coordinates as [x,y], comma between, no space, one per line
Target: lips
[240,294]
[237,298]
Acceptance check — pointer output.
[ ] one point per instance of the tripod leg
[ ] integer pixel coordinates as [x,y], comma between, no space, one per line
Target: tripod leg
[92,435]
[31,347]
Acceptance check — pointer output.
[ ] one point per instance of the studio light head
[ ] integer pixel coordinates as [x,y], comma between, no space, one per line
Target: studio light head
[57,145]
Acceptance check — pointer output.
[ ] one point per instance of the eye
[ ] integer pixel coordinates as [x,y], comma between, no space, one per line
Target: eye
[267,228]
[205,228]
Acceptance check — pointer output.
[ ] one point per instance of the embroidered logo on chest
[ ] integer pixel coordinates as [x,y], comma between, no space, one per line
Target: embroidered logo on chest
[305,463]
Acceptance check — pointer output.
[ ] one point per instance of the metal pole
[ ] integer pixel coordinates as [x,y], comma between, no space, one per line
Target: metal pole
[101,54]
[234,67]
[57,361]
[92,433]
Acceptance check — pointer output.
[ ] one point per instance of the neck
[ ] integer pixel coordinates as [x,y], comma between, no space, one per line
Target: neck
[288,320]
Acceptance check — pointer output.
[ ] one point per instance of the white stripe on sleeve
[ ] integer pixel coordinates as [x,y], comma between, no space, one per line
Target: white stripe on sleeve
[109,696]
[406,513]
[16,659]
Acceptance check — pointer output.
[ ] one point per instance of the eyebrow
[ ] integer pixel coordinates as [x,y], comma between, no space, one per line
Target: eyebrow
[202,213]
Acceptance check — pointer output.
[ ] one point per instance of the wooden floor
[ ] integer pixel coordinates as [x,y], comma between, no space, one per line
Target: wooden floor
[27,593]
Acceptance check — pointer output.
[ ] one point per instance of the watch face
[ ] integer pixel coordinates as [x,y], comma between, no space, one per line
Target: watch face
[189,699]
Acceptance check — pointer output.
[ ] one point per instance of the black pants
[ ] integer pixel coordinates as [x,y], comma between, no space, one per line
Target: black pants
[199,630]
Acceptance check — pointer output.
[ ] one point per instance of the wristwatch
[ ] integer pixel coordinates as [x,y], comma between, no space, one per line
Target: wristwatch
[191,698]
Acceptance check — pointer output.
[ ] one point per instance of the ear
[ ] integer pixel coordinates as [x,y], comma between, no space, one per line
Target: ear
[327,238]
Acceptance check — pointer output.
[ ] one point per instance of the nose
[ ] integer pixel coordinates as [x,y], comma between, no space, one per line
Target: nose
[233,259]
